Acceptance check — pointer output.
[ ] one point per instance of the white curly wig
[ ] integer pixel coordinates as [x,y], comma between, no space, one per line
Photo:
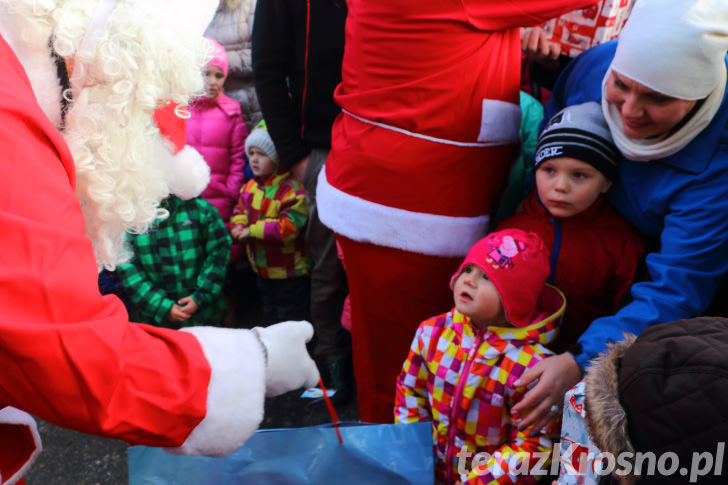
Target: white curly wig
[137,61]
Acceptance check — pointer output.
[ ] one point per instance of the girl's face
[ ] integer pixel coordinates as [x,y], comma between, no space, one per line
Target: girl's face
[261,164]
[214,79]
[477,297]
[644,112]
[567,186]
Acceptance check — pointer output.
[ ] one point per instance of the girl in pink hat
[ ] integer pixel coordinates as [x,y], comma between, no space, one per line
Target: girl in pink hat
[217,130]
[462,365]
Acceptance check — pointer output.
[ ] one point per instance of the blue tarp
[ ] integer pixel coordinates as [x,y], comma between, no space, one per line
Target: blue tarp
[371,454]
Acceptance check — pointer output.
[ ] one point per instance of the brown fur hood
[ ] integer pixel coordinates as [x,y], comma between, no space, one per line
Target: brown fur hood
[665,391]
[606,416]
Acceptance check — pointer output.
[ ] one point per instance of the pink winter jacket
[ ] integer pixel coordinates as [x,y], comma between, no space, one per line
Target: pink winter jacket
[216,130]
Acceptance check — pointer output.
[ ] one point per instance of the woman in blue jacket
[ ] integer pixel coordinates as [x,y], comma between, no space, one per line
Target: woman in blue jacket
[663,93]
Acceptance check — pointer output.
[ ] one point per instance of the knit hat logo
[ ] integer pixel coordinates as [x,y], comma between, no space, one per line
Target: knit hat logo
[502,256]
[579,132]
[525,257]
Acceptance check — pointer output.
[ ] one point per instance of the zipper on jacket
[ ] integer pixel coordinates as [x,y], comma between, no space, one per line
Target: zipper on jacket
[305,68]
[555,251]
[464,373]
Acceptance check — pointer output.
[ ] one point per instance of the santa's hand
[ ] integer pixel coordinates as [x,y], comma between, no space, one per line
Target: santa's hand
[288,365]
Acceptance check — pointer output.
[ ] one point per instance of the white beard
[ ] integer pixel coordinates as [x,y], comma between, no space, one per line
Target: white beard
[121,159]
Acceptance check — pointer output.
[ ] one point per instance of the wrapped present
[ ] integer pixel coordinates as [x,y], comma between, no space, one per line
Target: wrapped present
[578,30]
[579,458]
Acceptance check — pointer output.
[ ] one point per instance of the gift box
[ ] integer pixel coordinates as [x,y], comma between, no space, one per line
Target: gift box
[578,30]
[579,457]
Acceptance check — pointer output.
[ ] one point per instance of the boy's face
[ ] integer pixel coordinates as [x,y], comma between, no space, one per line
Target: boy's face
[260,163]
[476,297]
[214,79]
[567,186]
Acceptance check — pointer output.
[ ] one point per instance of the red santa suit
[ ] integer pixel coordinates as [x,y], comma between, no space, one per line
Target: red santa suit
[429,128]
[69,355]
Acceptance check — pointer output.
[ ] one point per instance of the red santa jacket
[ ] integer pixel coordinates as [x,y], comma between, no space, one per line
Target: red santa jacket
[69,355]
[430,121]
[597,255]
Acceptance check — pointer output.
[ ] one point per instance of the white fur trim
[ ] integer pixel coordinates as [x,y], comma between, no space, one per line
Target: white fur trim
[419,135]
[10,415]
[187,173]
[500,122]
[235,395]
[417,232]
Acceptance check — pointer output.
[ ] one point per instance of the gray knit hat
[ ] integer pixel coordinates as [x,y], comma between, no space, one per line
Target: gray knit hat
[260,138]
[579,132]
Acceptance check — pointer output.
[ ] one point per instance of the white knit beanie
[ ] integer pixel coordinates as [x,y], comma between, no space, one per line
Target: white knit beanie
[675,47]
[260,138]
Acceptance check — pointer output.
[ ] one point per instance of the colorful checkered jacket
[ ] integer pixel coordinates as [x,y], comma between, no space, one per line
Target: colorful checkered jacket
[275,210]
[461,378]
[185,254]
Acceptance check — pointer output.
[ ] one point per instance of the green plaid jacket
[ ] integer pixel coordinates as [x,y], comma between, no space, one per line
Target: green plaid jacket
[184,255]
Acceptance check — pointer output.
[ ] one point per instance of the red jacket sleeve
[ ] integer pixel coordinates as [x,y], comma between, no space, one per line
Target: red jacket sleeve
[507,14]
[69,355]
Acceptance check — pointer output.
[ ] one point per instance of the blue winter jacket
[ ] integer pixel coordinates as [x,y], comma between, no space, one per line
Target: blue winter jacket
[680,203]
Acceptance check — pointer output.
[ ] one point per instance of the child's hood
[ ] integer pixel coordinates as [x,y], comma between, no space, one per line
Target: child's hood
[545,320]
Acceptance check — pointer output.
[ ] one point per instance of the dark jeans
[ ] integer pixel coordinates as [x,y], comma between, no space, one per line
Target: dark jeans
[286,299]
[328,278]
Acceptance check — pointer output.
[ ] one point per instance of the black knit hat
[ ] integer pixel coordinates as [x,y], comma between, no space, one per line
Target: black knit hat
[579,132]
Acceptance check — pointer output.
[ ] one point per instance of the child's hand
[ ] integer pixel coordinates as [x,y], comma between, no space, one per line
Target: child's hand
[240,233]
[535,44]
[188,305]
[178,314]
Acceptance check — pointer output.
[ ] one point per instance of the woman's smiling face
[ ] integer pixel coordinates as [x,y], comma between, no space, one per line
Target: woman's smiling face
[644,112]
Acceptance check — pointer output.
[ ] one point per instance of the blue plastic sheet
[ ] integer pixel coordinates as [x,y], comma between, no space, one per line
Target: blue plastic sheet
[371,454]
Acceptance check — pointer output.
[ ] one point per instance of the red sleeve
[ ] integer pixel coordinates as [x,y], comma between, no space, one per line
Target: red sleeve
[69,355]
[507,14]
[629,262]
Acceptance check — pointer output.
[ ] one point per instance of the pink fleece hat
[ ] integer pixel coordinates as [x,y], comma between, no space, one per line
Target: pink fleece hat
[517,262]
[219,58]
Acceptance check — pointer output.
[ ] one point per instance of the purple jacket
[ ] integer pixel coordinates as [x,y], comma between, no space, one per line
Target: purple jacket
[216,130]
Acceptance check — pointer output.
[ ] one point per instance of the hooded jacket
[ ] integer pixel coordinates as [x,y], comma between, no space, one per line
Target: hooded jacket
[457,373]
[595,256]
[664,392]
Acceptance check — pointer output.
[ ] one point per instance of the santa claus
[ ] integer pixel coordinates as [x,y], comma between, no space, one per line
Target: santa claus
[82,163]
[419,157]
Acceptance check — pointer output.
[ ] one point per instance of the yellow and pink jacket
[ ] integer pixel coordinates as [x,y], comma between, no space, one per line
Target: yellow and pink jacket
[275,209]
[461,378]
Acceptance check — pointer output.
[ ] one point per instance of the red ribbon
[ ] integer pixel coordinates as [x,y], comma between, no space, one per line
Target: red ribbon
[332,411]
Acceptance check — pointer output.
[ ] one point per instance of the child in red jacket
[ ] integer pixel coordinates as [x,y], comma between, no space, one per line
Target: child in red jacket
[462,365]
[595,252]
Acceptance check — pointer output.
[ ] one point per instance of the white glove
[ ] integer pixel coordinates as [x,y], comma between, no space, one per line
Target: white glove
[289,366]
